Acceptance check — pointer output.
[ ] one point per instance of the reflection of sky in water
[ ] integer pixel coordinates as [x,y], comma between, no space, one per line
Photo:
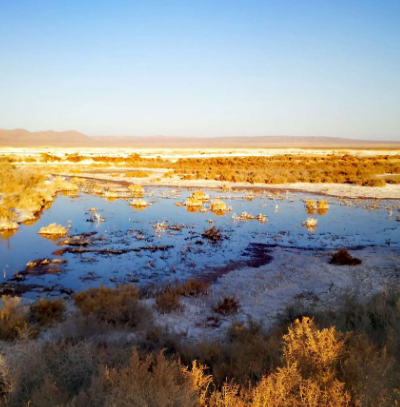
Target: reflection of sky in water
[342,226]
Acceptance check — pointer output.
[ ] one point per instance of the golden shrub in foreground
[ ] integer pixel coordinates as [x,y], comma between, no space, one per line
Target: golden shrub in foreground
[308,377]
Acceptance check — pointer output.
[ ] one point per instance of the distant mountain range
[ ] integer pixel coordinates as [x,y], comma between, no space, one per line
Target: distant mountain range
[72,138]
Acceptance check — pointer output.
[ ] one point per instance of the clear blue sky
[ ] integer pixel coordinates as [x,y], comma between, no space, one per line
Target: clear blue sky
[202,67]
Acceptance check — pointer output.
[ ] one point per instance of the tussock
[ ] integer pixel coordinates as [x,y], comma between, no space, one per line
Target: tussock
[217,205]
[138,203]
[115,306]
[6,224]
[54,230]
[138,174]
[200,195]
[13,318]
[212,233]
[227,306]
[310,224]
[47,311]
[193,202]
[344,258]
[136,190]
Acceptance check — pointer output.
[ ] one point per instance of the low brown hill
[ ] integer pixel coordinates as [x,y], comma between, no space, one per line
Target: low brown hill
[240,142]
[25,138]
[72,138]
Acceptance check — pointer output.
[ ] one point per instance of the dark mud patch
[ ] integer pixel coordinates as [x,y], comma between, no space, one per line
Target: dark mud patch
[40,267]
[82,250]
[83,239]
[18,289]
[257,255]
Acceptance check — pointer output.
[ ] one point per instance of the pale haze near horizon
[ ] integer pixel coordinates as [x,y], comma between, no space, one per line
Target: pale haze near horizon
[202,68]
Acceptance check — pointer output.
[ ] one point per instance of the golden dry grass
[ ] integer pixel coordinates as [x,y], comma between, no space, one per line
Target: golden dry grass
[6,224]
[281,169]
[200,195]
[193,202]
[137,191]
[301,362]
[138,174]
[116,306]
[310,224]
[217,205]
[47,311]
[13,317]
[54,230]
[138,203]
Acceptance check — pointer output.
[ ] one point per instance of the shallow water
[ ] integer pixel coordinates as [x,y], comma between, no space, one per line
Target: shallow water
[365,222]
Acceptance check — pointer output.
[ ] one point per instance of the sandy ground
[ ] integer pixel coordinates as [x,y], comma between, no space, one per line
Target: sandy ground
[295,277]
[174,154]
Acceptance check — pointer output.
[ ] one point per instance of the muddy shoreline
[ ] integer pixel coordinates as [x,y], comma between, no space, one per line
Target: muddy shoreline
[341,191]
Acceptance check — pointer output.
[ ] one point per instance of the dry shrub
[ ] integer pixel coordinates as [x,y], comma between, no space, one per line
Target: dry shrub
[322,204]
[113,194]
[61,184]
[6,224]
[310,224]
[217,205]
[54,230]
[308,378]
[50,374]
[200,195]
[136,190]
[6,213]
[280,169]
[193,288]
[374,182]
[78,181]
[393,180]
[13,318]
[168,302]
[149,381]
[227,306]
[193,202]
[138,202]
[94,188]
[343,258]
[212,233]
[116,306]
[138,174]
[47,311]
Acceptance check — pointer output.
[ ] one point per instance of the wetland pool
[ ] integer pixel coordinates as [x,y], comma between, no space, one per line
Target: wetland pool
[164,242]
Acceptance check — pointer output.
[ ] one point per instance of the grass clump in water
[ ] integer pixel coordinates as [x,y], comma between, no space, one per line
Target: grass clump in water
[137,191]
[212,233]
[54,230]
[138,203]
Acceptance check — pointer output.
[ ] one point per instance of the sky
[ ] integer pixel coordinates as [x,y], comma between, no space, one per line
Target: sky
[203,68]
